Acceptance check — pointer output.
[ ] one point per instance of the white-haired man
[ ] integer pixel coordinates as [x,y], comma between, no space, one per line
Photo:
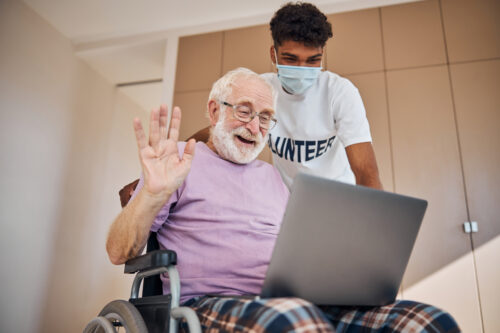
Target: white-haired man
[220,210]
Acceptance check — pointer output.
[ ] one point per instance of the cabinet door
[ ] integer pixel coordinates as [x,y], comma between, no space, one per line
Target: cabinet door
[247,47]
[357,43]
[476,88]
[194,109]
[427,165]
[199,62]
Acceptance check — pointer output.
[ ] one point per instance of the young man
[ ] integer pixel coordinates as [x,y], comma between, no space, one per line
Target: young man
[322,127]
[221,211]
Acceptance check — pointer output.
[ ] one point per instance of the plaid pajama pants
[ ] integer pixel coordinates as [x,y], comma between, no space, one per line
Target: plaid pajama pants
[228,314]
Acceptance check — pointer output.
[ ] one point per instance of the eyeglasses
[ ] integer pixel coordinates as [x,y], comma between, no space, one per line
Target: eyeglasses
[246,114]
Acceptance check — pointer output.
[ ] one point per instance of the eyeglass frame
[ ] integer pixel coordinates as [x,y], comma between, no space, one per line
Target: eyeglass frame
[272,121]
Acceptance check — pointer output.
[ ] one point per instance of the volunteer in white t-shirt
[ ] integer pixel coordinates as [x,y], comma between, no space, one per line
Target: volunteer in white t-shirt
[322,127]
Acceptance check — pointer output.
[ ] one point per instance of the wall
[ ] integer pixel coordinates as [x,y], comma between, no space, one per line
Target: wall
[67,147]
[429,74]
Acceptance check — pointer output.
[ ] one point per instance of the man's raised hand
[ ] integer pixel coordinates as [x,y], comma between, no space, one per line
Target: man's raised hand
[164,171]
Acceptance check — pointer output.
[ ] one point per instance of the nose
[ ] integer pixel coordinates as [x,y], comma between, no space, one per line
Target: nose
[253,126]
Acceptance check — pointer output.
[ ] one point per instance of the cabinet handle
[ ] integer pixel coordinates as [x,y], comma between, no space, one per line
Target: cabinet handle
[471,227]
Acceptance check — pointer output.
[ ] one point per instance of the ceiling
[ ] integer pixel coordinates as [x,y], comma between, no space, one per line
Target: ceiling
[125,40]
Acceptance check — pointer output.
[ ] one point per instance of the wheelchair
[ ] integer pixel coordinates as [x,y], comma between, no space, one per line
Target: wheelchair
[154,312]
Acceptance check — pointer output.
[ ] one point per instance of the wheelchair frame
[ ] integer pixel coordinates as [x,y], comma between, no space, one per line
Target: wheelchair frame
[154,309]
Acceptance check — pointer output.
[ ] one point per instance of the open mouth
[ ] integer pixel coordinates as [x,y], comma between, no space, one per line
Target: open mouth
[245,141]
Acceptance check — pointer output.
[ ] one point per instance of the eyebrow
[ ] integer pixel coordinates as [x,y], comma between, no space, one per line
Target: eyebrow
[291,55]
[247,100]
[315,56]
[286,54]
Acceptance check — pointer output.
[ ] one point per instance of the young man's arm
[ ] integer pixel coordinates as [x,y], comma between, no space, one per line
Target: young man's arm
[364,165]
[163,172]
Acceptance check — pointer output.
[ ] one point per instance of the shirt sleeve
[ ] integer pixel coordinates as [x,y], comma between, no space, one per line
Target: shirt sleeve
[350,116]
[162,215]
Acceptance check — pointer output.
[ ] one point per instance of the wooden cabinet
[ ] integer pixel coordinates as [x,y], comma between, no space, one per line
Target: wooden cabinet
[476,88]
[427,164]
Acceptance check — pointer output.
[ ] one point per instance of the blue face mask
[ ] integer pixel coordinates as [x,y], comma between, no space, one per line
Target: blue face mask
[297,79]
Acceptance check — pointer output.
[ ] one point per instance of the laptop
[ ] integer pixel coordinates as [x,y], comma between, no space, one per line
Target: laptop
[341,244]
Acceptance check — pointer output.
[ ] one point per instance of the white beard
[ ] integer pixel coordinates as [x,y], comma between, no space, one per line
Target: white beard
[224,142]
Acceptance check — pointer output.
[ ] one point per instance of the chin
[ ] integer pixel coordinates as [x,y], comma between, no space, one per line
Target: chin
[243,157]
[246,152]
[240,153]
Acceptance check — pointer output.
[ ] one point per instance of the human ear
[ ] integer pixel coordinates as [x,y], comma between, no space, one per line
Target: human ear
[273,55]
[213,114]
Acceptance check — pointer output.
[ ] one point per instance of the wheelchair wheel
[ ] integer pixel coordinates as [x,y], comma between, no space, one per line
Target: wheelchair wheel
[121,314]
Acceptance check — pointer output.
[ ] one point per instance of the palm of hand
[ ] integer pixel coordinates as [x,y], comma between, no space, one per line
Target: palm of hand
[164,171]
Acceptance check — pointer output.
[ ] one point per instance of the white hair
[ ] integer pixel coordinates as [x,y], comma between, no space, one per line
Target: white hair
[223,87]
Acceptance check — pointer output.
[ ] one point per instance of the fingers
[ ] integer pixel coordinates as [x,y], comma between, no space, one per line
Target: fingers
[154,128]
[175,124]
[139,134]
[163,122]
[188,154]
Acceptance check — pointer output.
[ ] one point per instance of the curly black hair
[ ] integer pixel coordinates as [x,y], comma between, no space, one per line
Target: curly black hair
[300,22]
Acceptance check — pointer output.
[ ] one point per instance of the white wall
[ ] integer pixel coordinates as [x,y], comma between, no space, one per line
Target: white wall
[66,148]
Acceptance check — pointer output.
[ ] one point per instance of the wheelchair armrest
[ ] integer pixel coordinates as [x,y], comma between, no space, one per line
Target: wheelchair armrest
[153,259]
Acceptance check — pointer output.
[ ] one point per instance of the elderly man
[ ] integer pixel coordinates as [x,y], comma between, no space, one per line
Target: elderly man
[220,210]
[228,207]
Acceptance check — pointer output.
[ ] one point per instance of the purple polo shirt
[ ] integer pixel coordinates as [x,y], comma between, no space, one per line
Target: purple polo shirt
[222,222]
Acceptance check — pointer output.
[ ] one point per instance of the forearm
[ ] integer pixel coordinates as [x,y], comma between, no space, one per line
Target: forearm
[370,180]
[130,230]
[364,165]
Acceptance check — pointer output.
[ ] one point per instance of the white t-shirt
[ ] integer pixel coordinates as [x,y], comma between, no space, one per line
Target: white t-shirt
[314,128]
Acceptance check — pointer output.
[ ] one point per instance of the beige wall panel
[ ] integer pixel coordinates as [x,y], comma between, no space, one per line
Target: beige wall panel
[193,106]
[413,35]
[427,164]
[247,47]
[472,29]
[372,89]
[477,102]
[356,46]
[488,274]
[453,288]
[476,88]
[198,62]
